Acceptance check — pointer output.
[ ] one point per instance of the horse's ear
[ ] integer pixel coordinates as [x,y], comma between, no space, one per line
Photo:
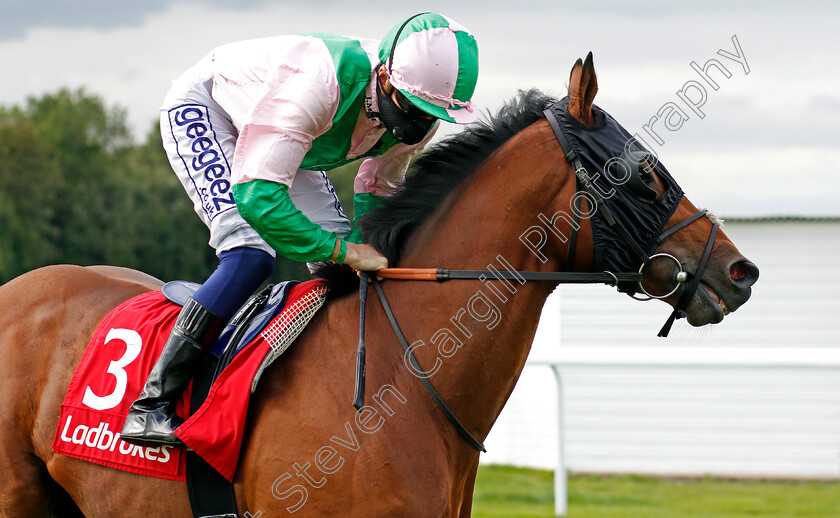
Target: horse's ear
[583,85]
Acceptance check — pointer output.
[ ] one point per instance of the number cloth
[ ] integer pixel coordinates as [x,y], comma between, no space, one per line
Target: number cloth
[109,378]
[114,367]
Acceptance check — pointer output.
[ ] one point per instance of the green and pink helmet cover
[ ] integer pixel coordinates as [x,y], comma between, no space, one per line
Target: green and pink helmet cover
[434,63]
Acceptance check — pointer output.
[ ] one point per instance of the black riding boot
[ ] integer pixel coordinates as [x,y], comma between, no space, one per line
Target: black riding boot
[152,419]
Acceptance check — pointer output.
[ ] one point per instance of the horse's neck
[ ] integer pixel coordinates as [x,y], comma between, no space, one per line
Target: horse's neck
[495,322]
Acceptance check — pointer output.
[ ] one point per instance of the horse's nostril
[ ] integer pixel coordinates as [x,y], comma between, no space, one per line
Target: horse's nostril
[743,273]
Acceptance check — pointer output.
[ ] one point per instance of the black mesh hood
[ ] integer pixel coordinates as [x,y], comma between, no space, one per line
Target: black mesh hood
[644,219]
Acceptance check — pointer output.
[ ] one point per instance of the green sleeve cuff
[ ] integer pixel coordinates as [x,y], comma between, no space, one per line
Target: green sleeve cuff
[267,207]
[362,204]
[342,251]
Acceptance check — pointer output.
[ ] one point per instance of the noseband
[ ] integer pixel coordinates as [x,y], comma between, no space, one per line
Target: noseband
[630,283]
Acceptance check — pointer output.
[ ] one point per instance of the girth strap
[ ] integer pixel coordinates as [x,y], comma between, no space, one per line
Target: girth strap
[426,383]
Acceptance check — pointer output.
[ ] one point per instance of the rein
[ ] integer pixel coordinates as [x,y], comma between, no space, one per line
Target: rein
[444,274]
[424,379]
[620,280]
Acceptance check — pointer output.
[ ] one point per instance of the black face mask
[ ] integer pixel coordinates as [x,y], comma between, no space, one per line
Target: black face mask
[406,127]
[631,201]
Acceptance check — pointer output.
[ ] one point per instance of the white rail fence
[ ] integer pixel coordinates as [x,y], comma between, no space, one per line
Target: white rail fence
[751,358]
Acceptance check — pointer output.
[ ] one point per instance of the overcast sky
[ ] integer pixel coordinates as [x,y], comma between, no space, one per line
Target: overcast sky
[767,144]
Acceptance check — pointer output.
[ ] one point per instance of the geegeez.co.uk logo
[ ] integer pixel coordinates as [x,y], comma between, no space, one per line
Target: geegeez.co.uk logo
[202,156]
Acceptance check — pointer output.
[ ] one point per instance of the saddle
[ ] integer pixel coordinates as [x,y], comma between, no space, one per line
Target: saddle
[254,317]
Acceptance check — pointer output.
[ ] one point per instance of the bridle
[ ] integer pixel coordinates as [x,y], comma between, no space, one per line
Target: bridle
[630,283]
[582,177]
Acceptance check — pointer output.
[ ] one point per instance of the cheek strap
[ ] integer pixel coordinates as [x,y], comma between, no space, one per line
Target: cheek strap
[688,294]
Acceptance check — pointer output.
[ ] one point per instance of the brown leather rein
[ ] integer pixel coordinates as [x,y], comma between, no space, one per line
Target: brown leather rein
[444,274]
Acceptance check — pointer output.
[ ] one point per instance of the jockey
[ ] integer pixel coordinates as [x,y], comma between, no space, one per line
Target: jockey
[250,130]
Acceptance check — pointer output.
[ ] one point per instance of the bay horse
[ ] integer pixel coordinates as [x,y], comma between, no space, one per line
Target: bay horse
[306,450]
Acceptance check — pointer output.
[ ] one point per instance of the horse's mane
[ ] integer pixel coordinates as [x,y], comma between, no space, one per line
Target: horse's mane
[434,174]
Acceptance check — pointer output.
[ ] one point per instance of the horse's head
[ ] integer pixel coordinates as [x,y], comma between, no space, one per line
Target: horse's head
[640,193]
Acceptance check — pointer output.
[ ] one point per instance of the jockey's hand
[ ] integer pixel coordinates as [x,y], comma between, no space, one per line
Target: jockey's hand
[364,258]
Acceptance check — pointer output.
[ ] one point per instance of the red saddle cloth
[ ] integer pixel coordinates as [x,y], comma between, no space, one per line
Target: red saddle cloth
[111,375]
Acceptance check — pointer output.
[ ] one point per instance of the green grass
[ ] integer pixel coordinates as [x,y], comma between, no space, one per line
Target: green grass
[516,492]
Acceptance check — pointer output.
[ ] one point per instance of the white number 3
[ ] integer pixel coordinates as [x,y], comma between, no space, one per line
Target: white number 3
[117,368]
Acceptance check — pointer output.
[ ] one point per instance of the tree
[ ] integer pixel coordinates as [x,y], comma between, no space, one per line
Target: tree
[27,196]
[54,153]
[75,189]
